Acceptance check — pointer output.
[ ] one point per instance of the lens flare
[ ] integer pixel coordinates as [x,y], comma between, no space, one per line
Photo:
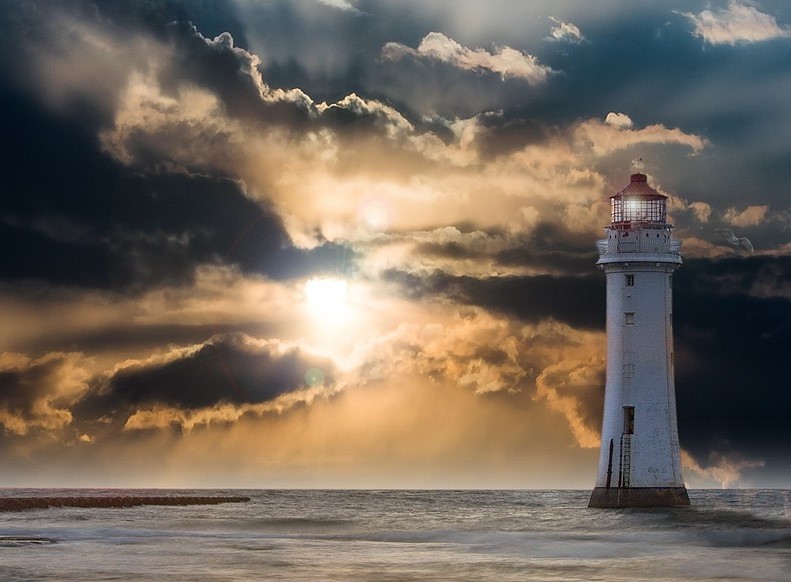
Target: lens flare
[314,377]
[374,216]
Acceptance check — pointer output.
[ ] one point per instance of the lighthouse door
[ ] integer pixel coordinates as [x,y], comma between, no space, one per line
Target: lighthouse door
[628,420]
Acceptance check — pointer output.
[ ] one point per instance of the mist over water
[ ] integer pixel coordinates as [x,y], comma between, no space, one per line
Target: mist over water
[401,535]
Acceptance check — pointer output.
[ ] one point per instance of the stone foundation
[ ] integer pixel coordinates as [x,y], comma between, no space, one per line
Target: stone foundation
[638,497]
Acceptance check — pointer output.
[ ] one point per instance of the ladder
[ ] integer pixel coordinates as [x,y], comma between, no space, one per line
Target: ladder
[626,460]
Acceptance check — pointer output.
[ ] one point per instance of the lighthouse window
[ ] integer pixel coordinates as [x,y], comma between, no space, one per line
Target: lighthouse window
[630,280]
[641,208]
[629,318]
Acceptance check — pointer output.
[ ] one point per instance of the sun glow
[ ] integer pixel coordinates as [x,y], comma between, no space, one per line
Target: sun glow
[329,313]
[326,295]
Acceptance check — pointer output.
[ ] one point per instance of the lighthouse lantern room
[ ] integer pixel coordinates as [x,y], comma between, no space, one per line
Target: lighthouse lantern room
[639,461]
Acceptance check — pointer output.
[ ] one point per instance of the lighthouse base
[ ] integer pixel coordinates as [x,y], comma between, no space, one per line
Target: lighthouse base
[638,497]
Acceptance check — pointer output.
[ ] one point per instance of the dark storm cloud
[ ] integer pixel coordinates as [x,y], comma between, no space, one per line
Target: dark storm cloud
[576,301]
[136,336]
[307,44]
[73,216]
[229,73]
[37,392]
[569,262]
[229,369]
[549,247]
[292,263]
[21,387]
[732,344]
[756,276]
[422,87]
[450,250]
[553,247]
[501,136]
[234,75]
[213,16]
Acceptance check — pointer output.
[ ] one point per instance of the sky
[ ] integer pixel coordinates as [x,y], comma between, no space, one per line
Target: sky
[338,243]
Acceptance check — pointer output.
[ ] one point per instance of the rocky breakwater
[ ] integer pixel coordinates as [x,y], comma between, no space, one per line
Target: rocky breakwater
[22,503]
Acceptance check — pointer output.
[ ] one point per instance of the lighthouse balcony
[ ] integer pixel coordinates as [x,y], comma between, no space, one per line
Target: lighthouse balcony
[640,250]
[638,241]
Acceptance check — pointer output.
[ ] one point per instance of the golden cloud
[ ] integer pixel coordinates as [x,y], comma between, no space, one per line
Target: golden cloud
[37,393]
[750,216]
[505,61]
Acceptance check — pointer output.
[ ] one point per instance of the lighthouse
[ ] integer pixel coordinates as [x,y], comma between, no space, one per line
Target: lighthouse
[639,461]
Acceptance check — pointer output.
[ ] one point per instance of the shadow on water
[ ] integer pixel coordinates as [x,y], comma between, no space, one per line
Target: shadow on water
[703,517]
[715,525]
[20,541]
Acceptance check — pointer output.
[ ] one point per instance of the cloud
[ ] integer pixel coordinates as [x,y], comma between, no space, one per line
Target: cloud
[565,31]
[205,108]
[344,5]
[111,324]
[574,386]
[750,216]
[724,470]
[37,393]
[702,210]
[740,22]
[75,62]
[557,366]
[543,248]
[158,416]
[223,373]
[529,298]
[616,133]
[356,109]
[505,61]
[618,120]
[230,74]
[121,230]
[681,211]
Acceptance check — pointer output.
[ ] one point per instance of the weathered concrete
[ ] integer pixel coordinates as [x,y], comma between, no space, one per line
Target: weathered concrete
[638,497]
[23,503]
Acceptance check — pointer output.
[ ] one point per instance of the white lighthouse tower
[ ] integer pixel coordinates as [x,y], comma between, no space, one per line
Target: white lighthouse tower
[639,463]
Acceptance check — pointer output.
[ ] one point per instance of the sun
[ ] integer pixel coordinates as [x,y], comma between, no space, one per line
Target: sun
[334,315]
[326,294]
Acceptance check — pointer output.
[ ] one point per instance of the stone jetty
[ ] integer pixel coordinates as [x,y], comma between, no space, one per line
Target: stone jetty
[22,503]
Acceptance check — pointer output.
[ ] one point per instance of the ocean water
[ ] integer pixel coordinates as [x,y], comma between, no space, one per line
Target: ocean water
[384,536]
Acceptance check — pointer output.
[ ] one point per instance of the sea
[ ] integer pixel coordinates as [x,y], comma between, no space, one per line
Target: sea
[397,535]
